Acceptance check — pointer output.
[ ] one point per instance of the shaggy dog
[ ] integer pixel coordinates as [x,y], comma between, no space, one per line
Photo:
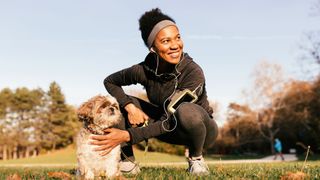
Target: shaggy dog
[97,114]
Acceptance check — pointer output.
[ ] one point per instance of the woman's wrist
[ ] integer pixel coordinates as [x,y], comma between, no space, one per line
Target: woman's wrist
[126,136]
[129,107]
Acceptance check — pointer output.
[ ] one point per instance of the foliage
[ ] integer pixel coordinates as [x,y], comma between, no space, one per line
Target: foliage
[61,119]
[241,132]
[155,145]
[288,110]
[28,118]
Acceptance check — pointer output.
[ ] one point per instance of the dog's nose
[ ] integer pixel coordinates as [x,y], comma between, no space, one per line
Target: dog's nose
[112,110]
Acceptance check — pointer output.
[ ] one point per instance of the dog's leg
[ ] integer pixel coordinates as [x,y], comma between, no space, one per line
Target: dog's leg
[112,167]
[89,175]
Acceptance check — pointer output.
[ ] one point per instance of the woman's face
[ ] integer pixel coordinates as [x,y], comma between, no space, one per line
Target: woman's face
[168,44]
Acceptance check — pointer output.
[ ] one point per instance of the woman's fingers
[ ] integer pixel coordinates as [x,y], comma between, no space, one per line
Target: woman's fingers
[98,137]
[99,143]
[105,143]
[103,153]
[138,117]
[101,148]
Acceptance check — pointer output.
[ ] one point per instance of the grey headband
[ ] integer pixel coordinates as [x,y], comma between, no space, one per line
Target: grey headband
[160,25]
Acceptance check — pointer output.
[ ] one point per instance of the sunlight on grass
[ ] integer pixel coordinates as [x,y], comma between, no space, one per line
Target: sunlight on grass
[68,157]
[64,156]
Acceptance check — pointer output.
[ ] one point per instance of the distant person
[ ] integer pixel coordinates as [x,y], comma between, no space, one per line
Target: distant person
[166,73]
[278,149]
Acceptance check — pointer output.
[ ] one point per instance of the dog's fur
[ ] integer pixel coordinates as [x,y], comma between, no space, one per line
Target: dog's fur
[97,114]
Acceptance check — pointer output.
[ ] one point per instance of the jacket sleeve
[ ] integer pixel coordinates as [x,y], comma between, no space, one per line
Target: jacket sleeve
[138,134]
[114,82]
[193,79]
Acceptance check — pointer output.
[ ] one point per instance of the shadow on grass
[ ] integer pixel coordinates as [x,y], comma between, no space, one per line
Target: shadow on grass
[313,157]
[234,157]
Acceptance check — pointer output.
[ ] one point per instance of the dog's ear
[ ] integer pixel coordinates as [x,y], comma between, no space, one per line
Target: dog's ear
[84,112]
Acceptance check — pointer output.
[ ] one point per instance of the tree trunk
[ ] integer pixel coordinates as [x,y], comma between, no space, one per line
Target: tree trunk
[21,153]
[27,152]
[15,152]
[4,152]
[53,147]
[9,152]
[34,152]
[272,145]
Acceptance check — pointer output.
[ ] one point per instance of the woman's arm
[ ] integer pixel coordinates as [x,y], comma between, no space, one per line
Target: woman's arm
[114,82]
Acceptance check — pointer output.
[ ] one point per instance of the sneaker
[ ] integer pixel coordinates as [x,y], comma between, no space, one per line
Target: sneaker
[128,167]
[197,166]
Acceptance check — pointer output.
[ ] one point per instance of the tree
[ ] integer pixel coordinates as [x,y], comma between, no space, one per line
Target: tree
[314,107]
[21,112]
[5,99]
[266,98]
[61,121]
[242,127]
[310,46]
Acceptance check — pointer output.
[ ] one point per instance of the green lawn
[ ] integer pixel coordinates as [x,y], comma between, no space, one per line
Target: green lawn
[65,161]
[68,157]
[219,171]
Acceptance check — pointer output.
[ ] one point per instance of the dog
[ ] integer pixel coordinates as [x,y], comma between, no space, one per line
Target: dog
[97,114]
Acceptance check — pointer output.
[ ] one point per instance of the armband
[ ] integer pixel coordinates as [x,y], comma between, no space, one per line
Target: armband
[179,97]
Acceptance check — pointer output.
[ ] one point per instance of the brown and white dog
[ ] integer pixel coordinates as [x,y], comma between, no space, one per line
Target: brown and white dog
[97,114]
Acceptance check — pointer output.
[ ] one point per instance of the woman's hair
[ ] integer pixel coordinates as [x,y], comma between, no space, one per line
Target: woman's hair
[148,20]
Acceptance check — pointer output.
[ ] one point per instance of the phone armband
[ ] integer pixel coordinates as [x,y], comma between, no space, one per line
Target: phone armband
[179,97]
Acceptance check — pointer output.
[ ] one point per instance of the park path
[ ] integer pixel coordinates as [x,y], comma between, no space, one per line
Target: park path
[268,159]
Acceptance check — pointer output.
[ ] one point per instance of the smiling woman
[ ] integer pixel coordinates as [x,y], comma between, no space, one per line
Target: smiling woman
[165,73]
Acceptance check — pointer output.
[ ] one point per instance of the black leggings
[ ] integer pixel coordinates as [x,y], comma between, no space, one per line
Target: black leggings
[194,129]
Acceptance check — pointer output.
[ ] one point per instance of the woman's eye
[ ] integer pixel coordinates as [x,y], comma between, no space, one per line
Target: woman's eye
[165,41]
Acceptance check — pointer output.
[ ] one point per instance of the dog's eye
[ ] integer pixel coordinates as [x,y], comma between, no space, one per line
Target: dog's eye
[103,106]
[115,106]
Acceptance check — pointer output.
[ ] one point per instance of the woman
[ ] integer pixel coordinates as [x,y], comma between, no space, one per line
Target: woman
[165,73]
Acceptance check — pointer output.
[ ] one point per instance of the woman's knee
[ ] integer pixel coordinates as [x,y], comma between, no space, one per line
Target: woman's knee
[212,134]
[190,114]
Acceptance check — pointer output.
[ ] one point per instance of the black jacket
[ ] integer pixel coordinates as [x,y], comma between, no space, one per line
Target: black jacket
[159,87]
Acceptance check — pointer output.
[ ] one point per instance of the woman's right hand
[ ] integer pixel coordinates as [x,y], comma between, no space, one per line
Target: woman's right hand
[135,115]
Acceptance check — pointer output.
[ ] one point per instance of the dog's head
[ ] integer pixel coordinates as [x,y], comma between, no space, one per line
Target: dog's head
[100,111]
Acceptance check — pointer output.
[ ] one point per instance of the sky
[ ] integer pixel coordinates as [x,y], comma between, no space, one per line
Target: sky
[78,43]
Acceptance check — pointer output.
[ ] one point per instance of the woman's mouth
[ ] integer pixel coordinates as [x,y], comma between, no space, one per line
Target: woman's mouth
[174,54]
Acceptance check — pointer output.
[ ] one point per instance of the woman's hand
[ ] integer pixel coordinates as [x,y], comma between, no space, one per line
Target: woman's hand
[135,115]
[107,142]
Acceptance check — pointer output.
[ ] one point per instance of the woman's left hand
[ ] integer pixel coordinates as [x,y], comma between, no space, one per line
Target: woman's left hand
[107,142]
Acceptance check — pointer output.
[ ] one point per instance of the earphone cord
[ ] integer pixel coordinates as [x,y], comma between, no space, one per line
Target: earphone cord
[164,103]
[167,114]
[174,117]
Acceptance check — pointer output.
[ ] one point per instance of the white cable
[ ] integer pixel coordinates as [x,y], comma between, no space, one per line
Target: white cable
[174,90]
[165,109]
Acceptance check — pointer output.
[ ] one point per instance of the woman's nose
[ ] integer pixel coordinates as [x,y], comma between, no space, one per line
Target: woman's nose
[174,45]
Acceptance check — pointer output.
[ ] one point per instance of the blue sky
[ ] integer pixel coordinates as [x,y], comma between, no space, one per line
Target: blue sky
[77,43]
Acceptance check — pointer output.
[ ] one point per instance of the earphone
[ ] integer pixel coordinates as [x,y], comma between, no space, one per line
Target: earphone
[152,50]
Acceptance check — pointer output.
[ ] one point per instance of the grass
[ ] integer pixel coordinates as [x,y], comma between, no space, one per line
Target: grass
[65,161]
[219,171]
[64,156]
[67,157]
